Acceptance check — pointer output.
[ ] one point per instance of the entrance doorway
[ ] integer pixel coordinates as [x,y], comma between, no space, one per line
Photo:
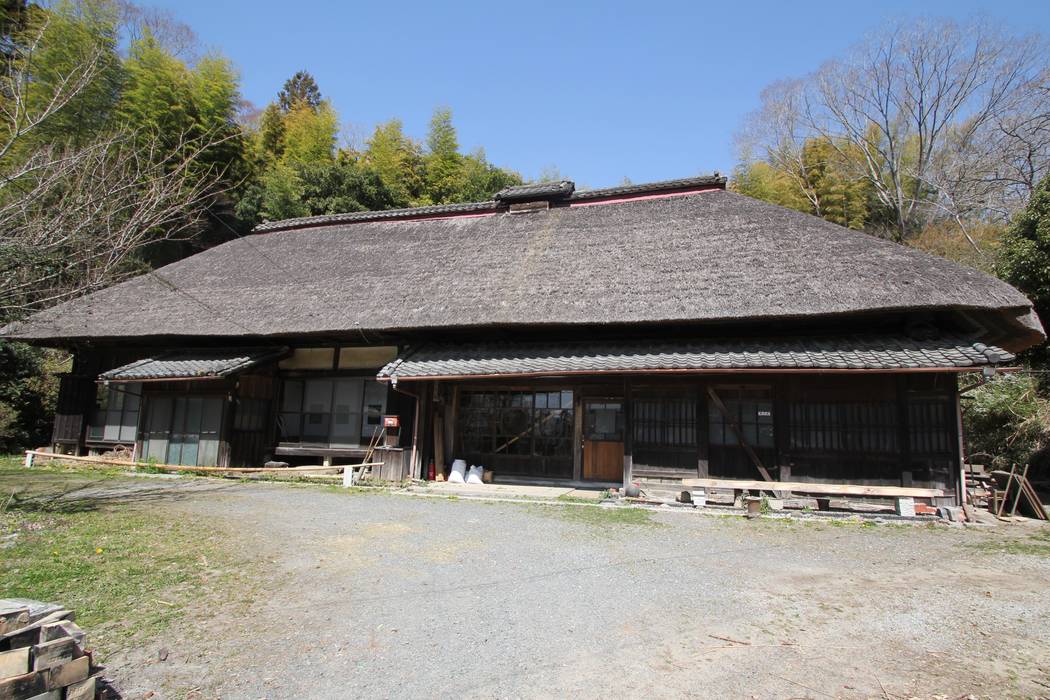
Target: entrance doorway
[603,440]
[184,430]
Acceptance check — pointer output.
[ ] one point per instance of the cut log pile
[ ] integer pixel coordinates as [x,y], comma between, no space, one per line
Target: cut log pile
[42,655]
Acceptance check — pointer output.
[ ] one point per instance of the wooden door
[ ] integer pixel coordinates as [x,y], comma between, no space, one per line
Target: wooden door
[603,440]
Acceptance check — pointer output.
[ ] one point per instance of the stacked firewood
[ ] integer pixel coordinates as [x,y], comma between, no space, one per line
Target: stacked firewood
[42,655]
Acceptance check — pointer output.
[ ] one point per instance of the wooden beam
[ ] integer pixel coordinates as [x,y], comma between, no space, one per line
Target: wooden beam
[185,468]
[731,421]
[823,488]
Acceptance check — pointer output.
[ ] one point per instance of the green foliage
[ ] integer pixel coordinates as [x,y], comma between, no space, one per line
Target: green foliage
[1024,256]
[1007,422]
[762,181]
[443,165]
[299,91]
[282,194]
[157,95]
[441,139]
[343,186]
[819,182]
[187,108]
[301,173]
[270,136]
[481,179]
[28,392]
[72,36]
[310,134]
[398,160]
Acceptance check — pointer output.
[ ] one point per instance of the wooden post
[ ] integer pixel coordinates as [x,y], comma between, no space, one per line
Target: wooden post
[439,438]
[414,468]
[577,435]
[959,443]
[628,433]
[903,440]
[703,468]
[780,430]
[426,440]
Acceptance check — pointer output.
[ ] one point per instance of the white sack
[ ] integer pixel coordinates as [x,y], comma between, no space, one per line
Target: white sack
[458,473]
[475,474]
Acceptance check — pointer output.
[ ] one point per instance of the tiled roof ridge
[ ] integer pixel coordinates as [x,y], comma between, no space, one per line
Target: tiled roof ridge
[889,351]
[559,190]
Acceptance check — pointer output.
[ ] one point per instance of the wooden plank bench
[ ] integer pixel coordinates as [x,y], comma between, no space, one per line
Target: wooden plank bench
[904,496]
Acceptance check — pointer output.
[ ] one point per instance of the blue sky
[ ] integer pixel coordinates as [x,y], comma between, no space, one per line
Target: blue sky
[599,90]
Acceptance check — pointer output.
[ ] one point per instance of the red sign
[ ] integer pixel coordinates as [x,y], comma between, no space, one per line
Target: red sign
[391,422]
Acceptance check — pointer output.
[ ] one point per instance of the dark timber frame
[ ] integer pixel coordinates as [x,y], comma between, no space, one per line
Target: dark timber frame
[885,429]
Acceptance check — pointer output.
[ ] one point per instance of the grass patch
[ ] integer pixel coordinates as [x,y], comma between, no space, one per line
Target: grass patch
[601,516]
[128,571]
[1037,545]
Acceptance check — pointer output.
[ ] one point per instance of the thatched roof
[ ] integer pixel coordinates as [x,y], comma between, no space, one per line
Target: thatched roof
[628,256]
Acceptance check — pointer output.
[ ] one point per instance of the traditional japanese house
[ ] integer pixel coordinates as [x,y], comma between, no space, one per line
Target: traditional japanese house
[658,331]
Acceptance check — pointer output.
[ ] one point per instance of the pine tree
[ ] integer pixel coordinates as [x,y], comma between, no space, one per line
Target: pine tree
[300,89]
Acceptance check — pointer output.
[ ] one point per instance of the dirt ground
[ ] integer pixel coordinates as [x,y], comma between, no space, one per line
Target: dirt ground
[369,594]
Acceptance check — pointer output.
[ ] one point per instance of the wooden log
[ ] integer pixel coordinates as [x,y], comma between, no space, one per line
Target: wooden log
[14,662]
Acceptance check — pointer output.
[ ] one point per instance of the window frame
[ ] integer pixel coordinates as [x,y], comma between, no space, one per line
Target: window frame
[365,413]
[107,395]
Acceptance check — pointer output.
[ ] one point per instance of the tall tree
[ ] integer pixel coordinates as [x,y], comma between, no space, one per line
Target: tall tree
[301,89]
[913,110]
[443,164]
[1024,256]
[76,215]
[158,97]
[398,160]
[69,51]
[310,133]
[270,133]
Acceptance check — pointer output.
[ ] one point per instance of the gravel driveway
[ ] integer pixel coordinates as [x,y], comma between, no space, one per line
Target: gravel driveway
[378,595]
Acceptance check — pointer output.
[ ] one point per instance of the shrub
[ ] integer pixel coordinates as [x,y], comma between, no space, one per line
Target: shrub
[1007,421]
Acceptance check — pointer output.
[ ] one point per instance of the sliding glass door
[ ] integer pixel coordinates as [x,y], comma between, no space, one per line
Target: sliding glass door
[184,430]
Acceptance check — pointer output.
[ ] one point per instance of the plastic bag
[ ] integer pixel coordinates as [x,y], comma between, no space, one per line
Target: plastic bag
[475,474]
[458,473]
